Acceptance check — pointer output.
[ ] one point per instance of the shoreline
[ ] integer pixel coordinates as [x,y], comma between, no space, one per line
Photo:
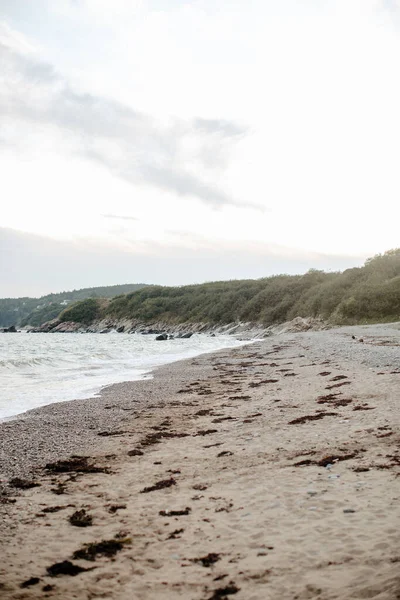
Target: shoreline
[243,435]
[138,372]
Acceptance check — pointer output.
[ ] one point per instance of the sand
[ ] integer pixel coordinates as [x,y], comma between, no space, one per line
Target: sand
[270,471]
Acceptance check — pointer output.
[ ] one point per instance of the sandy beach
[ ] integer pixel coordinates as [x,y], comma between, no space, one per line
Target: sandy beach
[265,472]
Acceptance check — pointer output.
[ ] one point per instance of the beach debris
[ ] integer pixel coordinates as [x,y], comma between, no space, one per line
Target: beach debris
[175,534]
[327,461]
[200,487]
[364,407]
[220,593]
[75,464]
[114,507]
[348,510]
[207,561]
[334,401]
[65,567]
[29,582]
[205,432]
[336,385]
[221,419]
[135,452]
[165,483]
[23,484]
[81,518]
[321,415]
[47,588]
[104,548]
[325,373]
[175,513]
[225,453]
[338,377]
[110,433]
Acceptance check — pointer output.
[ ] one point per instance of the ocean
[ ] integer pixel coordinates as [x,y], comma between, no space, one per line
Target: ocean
[42,368]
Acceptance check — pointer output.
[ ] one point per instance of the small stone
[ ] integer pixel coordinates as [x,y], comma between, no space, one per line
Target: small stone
[349,510]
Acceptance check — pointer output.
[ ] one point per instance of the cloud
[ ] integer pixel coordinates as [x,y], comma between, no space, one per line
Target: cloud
[132,145]
[122,217]
[220,126]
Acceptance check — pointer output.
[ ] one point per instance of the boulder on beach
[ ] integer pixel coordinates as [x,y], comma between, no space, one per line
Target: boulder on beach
[162,337]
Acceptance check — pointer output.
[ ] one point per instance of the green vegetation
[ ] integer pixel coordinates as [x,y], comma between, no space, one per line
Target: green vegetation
[361,295]
[35,311]
[42,315]
[84,312]
[367,294]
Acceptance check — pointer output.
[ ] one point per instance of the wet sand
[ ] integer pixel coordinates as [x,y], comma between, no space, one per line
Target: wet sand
[263,472]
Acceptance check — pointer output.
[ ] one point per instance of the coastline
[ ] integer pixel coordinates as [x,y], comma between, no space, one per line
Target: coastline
[222,427]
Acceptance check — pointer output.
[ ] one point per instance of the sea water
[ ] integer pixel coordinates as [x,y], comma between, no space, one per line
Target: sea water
[41,368]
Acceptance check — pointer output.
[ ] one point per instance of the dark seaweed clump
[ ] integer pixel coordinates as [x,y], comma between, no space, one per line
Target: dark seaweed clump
[104,548]
[220,593]
[75,464]
[65,568]
[208,560]
[81,518]
[23,484]
[29,582]
[175,513]
[165,483]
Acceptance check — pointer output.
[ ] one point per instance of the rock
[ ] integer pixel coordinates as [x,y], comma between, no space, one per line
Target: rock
[121,329]
[186,336]
[10,329]
[162,337]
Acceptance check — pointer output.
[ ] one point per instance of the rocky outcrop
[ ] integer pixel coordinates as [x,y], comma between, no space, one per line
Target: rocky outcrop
[162,337]
[165,331]
[10,329]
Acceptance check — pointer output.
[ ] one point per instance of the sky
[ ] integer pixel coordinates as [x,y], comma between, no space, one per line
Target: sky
[182,141]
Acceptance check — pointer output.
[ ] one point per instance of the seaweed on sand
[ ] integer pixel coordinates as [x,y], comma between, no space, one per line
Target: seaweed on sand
[175,513]
[23,484]
[65,568]
[221,593]
[104,548]
[207,561]
[165,483]
[75,464]
[81,518]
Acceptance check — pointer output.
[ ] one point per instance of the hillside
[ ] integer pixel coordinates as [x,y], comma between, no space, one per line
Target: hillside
[360,295]
[35,311]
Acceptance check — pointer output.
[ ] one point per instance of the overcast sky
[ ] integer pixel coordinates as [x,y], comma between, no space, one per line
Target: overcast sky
[177,141]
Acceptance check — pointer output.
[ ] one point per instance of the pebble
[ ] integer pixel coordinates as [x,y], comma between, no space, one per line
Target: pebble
[349,510]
